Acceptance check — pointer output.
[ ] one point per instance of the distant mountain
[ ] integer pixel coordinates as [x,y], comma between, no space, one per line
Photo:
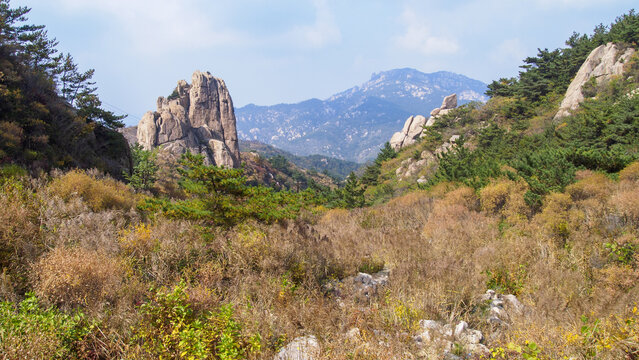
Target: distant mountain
[320,163]
[355,123]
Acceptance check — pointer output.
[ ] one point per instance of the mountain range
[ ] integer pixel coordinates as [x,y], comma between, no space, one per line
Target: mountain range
[335,167]
[354,124]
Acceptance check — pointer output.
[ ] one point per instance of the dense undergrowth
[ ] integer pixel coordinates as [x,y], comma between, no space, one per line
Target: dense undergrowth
[108,281]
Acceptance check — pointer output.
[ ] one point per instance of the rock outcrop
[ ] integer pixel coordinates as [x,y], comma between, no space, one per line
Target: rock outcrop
[603,63]
[414,126]
[301,348]
[437,340]
[197,118]
[427,160]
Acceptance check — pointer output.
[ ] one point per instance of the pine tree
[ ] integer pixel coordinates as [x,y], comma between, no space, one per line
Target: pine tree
[145,168]
[352,193]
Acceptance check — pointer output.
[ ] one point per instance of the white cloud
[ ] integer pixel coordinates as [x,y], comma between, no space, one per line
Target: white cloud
[324,31]
[418,37]
[161,25]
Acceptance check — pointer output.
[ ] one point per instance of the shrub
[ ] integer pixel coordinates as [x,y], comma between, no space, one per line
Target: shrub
[630,172]
[596,185]
[20,234]
[169,328]
[505,197]
[546,170]
[554,217]
[99,194]
[370,265]
[626,202]
[32,332]
[77,277]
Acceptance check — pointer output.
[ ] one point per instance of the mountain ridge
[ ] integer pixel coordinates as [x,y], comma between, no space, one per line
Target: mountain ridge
[354,123]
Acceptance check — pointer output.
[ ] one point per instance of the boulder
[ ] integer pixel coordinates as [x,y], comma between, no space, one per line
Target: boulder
[602,63]
[301,348]
[450,102]
[414,126]
[501,307]
[197,118]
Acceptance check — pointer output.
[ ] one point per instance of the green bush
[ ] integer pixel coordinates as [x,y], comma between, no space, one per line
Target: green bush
[171,329]
[30,331]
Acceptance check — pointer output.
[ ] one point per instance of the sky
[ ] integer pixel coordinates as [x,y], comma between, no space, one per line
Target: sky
[286,51]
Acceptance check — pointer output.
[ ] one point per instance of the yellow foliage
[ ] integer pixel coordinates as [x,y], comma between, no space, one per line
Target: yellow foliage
[137,239]
[464,196]
[554,217]
[630,172]
[409,199]
[595,185]
[626,202]
[505,197]
[99,194]
[334,215]
[77,277]
[441,189]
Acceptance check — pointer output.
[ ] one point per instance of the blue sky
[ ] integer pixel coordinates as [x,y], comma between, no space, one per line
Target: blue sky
[278,51]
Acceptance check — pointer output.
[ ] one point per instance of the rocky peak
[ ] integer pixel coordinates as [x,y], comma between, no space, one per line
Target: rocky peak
[602,63]
[414,125]
[198,117]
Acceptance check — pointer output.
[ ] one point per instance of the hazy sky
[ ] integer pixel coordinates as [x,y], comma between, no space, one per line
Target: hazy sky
[278,51]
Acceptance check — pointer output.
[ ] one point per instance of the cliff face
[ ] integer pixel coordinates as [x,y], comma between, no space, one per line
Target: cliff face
[602,63]
[199,118]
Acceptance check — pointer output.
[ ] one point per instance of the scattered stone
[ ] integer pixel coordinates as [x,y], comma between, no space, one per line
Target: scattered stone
[353,333]
[438,340]
[363,285]
[460,328]
[301,348]
[502,307]
[514,304]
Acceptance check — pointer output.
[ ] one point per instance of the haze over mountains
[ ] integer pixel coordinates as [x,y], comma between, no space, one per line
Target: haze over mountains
[355,123]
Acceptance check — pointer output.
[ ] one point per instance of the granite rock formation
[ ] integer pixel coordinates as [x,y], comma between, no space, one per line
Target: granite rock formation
[603,63]
[414,126]
[198,117]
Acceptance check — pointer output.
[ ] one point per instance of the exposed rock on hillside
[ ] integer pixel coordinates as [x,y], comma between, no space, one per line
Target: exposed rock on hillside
[130,133]
[301,348]
[197,117]
[437,340]
[414,125]
[603,63]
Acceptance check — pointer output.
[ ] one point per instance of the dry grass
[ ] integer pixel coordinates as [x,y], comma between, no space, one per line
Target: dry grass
[444,248]
[99,193]
[76,277]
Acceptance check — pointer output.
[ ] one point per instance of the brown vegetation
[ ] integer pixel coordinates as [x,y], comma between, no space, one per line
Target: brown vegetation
[444,248]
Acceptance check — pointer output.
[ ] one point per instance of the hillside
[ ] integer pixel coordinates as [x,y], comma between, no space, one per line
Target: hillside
[50,115]
[354,124]
[510,231]
[320,163]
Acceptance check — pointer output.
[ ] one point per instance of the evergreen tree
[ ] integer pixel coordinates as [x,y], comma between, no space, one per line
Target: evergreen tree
[145,168]
[386,153]
[352,193]
[372,171]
